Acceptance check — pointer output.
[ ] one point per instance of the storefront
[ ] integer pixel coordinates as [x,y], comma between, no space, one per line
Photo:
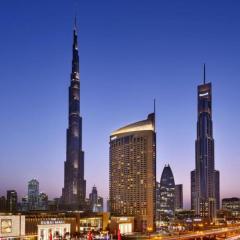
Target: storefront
[53,229]
[124,224]
[93,222]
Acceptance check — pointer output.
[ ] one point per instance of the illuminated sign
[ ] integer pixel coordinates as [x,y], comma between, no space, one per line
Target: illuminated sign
[52,222]
[6,226]
[197,219]
[203,94]
[123,219]
[113,138]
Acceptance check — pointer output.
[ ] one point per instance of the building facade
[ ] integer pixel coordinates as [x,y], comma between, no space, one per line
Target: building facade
[232,205]
[178,196]
[3,204]
[43,201]
[74,191]
[12,200]
[33,194]
[132,177]
[205,197]
[158,204]
[167,194]
[95,201]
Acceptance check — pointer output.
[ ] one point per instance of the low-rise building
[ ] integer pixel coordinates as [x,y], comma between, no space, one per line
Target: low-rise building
[232,205]
[93,221]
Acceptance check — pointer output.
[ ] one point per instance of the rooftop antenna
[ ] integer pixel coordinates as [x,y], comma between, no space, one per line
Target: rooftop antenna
[75,14]
[154,111]
[204,74]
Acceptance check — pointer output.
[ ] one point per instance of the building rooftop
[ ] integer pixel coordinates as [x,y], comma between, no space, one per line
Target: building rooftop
[145,125]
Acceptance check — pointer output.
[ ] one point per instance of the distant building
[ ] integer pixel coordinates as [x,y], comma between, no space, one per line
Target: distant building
[178,196]
[99,206]
[232,205]
[95,201]
[43,201]
[158,198]
[24,204]
[133,173]
[33,194]
[54,205]
[93,197]
[205,195]
[3,204]
[167,194]
[12,200]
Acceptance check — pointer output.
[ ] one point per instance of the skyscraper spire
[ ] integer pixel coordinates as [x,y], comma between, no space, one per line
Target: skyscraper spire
[154,111]
[75,57]
[204,74]
[75,23]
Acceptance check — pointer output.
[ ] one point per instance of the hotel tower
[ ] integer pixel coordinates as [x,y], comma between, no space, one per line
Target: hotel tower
[74,191]
[205,179]
[132,173]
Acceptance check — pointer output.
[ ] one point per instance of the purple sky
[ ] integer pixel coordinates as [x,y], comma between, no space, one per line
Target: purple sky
[130,53]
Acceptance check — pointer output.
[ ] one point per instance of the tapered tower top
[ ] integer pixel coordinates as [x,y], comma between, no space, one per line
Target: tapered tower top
[75,57]
[204,74]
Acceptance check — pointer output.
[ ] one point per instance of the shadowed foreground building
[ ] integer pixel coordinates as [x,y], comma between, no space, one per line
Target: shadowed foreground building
[74,191]
[133,172]
[205,199]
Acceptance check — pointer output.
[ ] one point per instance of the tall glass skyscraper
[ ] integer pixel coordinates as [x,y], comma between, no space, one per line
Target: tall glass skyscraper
[167,194]
[74,191]
[132,172]
[205,179]
[33,194]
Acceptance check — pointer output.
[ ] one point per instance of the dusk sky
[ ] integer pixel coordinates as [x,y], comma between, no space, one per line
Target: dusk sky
[130,53]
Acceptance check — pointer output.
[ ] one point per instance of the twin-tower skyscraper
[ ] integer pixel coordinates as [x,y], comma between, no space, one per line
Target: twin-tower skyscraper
[74,190]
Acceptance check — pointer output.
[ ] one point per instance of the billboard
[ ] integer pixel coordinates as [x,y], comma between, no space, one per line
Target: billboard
[6,226]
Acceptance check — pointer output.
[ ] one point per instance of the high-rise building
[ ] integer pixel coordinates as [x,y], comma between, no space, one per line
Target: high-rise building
[133,172]
[12,201]
[74,191]
[158,203]
[24,206]
[178,196]
[3,203]
[33,193]
[43,201]
[93,197]
[95,201]
[167,194]
[99,206]
[205,179]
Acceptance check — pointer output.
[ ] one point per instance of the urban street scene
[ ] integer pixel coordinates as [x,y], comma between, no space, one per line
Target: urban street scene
[119,120]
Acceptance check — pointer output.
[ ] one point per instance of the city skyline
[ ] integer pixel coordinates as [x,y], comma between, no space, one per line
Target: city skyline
[103,108]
